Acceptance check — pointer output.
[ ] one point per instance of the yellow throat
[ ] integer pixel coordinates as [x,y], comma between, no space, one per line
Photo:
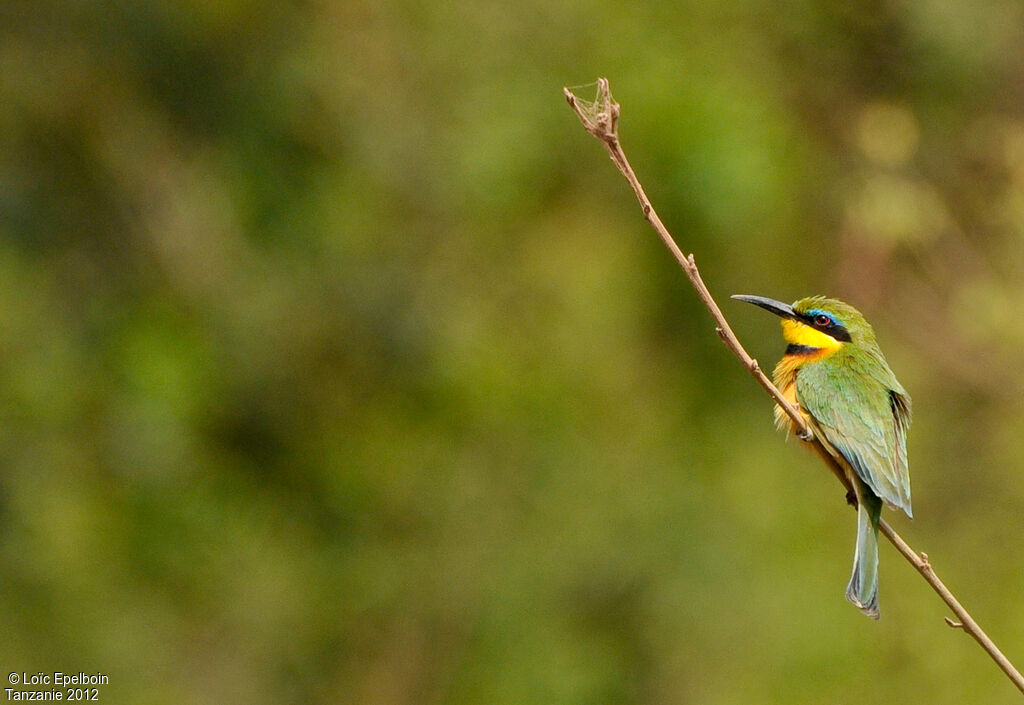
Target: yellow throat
[798,333]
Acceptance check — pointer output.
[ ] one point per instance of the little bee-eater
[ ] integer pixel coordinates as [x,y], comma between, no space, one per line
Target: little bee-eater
[834,372]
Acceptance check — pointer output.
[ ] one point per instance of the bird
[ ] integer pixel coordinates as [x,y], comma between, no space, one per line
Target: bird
[834,372]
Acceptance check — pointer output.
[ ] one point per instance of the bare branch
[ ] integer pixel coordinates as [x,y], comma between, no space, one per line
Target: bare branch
[601,119]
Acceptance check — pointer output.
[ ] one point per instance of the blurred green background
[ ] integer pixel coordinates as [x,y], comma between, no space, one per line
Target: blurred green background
[338,365]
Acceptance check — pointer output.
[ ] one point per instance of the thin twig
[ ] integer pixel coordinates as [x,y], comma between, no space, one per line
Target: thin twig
[602,123]
[604,126]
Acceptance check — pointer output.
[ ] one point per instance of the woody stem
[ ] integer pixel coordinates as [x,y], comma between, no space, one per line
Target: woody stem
[603,124]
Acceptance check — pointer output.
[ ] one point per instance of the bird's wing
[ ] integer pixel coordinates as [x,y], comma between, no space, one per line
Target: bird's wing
[863,418]
[899,403]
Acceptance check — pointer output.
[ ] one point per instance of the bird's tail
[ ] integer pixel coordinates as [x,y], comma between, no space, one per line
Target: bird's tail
[863,588]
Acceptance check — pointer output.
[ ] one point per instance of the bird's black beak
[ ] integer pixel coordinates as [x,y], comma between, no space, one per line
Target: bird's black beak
[777,307]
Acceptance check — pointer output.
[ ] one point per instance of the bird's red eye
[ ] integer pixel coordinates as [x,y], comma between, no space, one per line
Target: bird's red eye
[822,320]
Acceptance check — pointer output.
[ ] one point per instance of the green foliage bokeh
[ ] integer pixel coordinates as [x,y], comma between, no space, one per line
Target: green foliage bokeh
[337,364]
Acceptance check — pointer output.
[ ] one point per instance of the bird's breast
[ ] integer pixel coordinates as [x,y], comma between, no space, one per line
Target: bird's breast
[785,380]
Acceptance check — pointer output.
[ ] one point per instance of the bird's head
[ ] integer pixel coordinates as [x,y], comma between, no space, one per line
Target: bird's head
[817,323]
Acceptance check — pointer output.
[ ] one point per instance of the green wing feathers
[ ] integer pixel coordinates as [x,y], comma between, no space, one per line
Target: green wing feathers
[864,413]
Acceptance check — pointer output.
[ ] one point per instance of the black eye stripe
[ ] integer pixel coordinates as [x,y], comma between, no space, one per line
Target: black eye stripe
[829,327]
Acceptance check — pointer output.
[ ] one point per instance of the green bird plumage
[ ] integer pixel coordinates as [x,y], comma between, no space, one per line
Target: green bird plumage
[834,371]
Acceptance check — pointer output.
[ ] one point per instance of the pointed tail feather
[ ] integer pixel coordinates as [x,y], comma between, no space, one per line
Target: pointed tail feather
[863,588]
